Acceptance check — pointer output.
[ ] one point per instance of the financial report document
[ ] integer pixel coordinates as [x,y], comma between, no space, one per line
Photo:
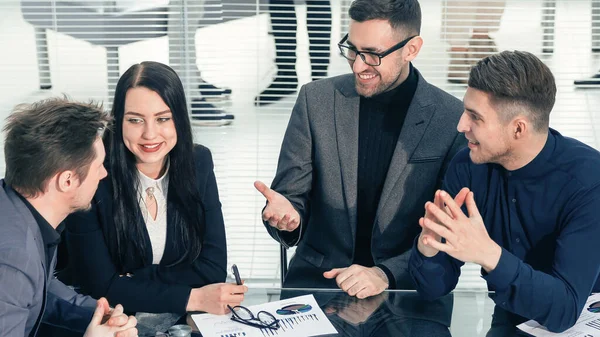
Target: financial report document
[305,318]
[588,324]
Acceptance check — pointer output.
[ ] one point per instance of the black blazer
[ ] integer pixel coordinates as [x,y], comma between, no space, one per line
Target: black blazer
[151,288]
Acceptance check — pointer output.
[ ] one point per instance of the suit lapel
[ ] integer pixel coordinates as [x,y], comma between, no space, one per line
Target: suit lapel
[149,256]
[346,106]
[417,119]
[169,255]
[28,219]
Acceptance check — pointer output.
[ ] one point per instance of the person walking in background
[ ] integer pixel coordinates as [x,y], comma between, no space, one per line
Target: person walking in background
[206,100]
[284,25]
[594,80]
[466,26]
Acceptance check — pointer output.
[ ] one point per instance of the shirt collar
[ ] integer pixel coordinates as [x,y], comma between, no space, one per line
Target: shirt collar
[539,164]
[50,236]
[160,184]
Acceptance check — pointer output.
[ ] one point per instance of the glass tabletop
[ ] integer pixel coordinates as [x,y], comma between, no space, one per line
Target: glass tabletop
[397,312]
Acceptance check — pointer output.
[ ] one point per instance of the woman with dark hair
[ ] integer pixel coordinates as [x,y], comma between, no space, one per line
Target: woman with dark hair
[154,239]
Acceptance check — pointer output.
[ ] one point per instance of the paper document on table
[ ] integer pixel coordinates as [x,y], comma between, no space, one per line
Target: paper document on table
[588,324]
[308,321]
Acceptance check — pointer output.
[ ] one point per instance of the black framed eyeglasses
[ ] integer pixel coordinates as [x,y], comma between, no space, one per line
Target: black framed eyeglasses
[262,320]
[368,57]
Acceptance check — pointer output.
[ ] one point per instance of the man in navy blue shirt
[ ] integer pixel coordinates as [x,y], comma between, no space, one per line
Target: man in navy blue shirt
[532,200]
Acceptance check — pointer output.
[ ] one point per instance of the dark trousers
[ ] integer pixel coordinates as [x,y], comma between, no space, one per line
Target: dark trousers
[284,23]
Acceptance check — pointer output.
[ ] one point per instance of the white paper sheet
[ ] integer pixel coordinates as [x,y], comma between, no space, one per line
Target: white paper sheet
[310,323]
[588,324]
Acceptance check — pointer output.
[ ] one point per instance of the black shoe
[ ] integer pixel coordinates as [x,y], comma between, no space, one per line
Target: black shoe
[206,114]
[593,81]
[210,92]
[285,83]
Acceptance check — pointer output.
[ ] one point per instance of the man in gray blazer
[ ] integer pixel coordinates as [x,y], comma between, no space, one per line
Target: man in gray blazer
[361,155]
[54,161]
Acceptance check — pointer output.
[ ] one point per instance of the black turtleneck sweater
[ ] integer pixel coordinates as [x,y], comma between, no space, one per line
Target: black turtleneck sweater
[380,120]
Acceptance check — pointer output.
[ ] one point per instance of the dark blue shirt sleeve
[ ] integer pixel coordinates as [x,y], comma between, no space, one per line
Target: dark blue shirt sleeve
[436,276]
[555,300]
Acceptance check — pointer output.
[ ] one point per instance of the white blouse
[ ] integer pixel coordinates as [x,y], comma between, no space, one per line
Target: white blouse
[157,228]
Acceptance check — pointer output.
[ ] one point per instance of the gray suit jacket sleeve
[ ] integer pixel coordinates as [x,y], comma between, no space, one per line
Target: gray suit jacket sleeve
[14,299]
[66,308]
[295,170]
[398,265]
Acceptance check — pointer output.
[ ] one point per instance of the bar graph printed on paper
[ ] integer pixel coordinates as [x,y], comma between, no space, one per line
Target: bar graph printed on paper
[594,324]
[299,316]
[290,324]
[235,334]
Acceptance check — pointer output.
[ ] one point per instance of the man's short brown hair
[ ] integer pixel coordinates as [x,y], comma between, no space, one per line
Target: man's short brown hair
[48,137]
[518,82]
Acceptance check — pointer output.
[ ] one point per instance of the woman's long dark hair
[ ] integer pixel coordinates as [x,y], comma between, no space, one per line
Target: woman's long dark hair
[189,221]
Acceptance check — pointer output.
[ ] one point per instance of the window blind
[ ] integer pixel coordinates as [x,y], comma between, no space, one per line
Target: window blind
[81,47]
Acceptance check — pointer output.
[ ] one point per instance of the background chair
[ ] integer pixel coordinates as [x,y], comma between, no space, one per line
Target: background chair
[102,23]
[98,23]
[283,263]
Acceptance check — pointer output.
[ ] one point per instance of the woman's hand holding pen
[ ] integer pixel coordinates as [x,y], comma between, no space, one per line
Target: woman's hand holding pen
[214,298]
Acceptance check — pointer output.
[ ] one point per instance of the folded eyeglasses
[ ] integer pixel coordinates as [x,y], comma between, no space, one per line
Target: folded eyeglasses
[262,320]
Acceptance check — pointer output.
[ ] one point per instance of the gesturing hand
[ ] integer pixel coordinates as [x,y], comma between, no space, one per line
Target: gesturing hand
[437,200]
[359,281]
[466,238]
[118,324]
[279,212]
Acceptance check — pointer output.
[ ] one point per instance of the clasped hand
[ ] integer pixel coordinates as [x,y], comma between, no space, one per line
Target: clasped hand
[359,281]
[110,322]
[466,237]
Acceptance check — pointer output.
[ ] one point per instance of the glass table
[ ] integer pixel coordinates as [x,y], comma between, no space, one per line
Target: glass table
[396,313]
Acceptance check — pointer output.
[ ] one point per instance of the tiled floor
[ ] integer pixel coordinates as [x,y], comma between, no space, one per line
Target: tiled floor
[248,149]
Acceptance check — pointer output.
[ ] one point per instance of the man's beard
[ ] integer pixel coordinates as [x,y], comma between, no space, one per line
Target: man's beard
[501,157]
[82,208]
[380,88]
